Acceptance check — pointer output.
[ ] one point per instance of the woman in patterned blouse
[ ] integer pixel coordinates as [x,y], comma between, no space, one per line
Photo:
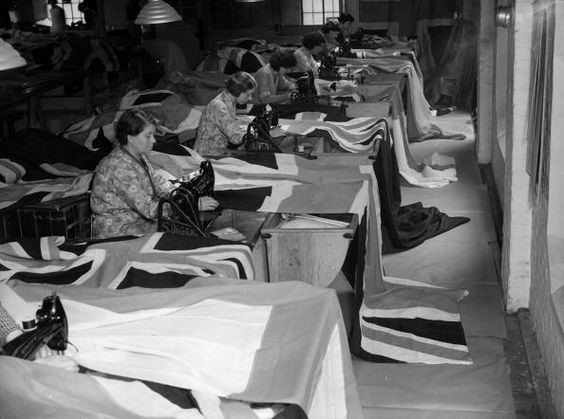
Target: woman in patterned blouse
[126,190]
[219,125]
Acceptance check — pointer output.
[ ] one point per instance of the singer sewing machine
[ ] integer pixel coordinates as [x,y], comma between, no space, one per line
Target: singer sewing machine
[51,329]
[328,69]
[258,138]
[306,92]
[179,212]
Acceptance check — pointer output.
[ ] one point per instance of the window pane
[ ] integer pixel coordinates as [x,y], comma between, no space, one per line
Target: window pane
[318,5]
[308,18]
[318,19]
[328,5]
[307,6]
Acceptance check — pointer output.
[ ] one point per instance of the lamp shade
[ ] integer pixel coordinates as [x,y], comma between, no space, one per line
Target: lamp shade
[155,12]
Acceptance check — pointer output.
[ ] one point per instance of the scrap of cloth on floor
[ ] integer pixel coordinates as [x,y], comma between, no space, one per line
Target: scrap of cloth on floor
[344,184]
[168,310]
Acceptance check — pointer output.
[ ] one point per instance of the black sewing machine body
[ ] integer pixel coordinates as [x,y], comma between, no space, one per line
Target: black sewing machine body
[328,69]
[183,215]
[51,330]
[306,92]
[258,138]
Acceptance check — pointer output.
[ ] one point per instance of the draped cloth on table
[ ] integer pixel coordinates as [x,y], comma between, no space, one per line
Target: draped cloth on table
[405,18]
[357,135]
[345,184]
[404,227]
[163,309]
[421,124]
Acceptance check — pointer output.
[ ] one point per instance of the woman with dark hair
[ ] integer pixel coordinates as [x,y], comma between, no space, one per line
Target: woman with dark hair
[126,190]
[272,85]
[219,125]
[333,35]
[313,44]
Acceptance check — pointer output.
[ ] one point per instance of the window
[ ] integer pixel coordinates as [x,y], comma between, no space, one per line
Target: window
[316,12]
[72,14]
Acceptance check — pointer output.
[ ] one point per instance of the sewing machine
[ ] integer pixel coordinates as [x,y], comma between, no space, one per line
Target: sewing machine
[51,329]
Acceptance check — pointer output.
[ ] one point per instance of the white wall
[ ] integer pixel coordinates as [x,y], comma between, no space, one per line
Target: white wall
[516,252]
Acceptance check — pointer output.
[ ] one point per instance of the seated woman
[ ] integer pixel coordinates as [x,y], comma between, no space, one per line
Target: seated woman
[333,36]
[125,190]
[313,45]
[219,125]
[272,85]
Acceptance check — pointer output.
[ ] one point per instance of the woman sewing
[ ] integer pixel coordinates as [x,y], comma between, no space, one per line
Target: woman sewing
[219,126]
[272,85]
[125,190]
[313,45]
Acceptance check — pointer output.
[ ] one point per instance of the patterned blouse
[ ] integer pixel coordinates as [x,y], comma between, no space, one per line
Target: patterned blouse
[269,83]
[125,195]
[219,126]
[7,325]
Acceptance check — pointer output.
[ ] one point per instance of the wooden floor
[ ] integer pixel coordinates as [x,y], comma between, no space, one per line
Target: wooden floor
[506,380]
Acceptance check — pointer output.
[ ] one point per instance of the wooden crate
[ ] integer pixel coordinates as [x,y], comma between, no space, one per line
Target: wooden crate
[69,217]
[312,255]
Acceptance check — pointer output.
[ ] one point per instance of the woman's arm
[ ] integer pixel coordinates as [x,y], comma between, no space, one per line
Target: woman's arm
[129,188]
[228,124]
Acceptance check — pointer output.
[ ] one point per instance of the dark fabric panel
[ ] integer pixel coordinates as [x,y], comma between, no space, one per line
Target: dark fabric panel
[140,278]
[56,278]
[408,226]
[261,159]
[443,331]
[151,98]
[242,273]
[175,242]
[246,199]
[32,247]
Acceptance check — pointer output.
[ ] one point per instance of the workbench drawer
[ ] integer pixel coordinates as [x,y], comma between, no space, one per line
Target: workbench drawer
[310,254]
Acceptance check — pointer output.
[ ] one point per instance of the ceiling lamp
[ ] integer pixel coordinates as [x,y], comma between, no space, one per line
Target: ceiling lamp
[156,12]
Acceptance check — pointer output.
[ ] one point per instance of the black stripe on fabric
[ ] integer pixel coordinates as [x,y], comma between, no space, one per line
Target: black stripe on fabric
[151,98]
[32,247]
[439,330]
[242,273]
[56,278]
[3,268]
[260,159]
[140,278]
[243,199]
[169,241]
[79,248]
[32,198]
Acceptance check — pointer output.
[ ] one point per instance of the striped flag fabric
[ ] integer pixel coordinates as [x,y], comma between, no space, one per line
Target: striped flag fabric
[240,340]
[345,184]
[18,194]
[158,260]
[356,135]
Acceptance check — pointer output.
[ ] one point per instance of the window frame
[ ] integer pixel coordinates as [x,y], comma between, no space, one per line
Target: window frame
[333,14]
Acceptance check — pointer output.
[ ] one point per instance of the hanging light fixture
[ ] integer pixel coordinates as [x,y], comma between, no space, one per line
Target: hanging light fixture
[156,12]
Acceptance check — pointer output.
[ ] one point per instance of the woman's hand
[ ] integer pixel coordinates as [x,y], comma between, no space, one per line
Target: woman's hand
[207,203]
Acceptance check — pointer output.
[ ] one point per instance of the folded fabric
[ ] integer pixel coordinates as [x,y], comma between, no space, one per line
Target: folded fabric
[10,171]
